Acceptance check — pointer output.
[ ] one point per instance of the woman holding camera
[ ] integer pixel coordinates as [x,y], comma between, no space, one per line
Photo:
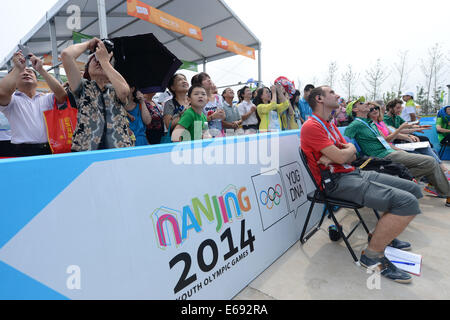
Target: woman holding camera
[101,97]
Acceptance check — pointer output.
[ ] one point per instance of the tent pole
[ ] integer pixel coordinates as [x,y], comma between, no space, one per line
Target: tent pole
[204,65]
[259,66]
[54,43]
[102,19]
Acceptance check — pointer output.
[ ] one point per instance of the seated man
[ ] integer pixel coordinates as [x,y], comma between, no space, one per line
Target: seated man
[24,107]
[366,133]
[393,120]
[326,149]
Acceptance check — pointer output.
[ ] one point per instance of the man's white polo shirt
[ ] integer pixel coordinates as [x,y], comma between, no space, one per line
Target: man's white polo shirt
[26,117]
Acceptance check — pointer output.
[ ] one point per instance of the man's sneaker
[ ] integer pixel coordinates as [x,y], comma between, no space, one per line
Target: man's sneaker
[401,245]
[386,268]
[432,190]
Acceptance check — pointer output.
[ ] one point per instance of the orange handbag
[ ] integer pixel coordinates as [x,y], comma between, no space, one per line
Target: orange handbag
[61,123]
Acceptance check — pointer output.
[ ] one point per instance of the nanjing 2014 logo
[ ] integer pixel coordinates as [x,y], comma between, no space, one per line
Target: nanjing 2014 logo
[271,197]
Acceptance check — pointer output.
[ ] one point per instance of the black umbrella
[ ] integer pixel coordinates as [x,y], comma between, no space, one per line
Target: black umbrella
[145,62]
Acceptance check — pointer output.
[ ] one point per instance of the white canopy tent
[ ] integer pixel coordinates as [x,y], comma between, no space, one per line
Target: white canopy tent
[109,19]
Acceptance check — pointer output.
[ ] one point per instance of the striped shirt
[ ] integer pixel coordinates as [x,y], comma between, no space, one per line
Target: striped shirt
[367,139]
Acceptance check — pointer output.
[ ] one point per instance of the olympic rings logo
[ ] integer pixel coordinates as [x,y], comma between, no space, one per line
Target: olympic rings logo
[271,197]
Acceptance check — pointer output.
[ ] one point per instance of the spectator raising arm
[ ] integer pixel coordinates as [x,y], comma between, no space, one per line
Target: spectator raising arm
[101,57]
[116,79]
[146,116]
[69,57]
[9,83]
[54,85]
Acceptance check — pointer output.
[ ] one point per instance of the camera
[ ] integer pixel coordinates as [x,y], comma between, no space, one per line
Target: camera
[25,51]
[108,44]
[328,181]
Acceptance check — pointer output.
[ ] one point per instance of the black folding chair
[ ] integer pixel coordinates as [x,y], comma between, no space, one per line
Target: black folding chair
[318,196]
[444,144]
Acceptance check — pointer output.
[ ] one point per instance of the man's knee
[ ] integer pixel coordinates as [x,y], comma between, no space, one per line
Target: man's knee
[405,203]
[430,162]
[416,190]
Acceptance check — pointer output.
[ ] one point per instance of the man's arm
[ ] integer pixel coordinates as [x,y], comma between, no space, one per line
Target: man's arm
[245,116]
[146,116]
[340,156]
[411,110]
[8,84]
[441,130]
[118,82]
[69,56]
[53,84]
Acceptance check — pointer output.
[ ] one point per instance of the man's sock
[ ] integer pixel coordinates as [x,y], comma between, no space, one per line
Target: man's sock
[373,254]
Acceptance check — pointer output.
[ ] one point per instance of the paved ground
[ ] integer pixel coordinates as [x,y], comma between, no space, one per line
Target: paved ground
[321,269]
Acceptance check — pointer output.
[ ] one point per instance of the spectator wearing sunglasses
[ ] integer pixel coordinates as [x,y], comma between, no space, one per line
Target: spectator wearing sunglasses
[377,116]
[373,144]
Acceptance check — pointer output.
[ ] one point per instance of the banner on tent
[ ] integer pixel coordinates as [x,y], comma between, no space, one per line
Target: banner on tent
[145,12]
[235,47]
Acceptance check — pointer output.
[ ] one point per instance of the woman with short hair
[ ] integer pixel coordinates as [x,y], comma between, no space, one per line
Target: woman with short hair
[101,99]
[175,107]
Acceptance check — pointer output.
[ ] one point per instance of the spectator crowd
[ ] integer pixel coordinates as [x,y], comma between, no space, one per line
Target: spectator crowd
[113,113]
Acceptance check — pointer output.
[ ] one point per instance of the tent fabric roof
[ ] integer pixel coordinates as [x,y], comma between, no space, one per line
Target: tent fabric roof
[214,17]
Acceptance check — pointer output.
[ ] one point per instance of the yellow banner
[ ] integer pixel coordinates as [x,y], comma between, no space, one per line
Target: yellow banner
[235,47]
[143,11]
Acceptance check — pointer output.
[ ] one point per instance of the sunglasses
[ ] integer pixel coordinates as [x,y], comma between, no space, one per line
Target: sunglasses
[376,108]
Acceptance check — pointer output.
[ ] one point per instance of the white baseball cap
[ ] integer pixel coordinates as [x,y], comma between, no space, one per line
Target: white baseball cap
[409,93]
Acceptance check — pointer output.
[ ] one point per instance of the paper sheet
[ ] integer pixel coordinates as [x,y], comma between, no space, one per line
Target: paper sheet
[407,261]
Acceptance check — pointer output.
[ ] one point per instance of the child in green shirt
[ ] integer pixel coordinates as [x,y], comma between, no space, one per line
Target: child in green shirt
[193,122]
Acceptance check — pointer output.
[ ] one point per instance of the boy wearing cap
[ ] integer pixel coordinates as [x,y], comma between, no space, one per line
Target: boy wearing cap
[409,112]
[327,150]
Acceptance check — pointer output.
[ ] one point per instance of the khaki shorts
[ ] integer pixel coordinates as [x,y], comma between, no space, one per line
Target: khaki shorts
[379,191]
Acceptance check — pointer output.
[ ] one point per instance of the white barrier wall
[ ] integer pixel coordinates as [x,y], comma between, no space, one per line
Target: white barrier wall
[187,221]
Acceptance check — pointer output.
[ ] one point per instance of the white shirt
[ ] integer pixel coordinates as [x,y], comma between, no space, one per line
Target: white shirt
[406,113]
[244,108]
[5,129]
[26,117]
